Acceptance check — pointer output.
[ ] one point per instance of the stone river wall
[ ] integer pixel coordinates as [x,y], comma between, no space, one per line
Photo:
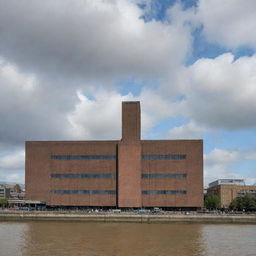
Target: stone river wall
[125,217]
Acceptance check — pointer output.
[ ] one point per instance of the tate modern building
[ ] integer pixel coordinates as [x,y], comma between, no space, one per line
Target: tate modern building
[117,173]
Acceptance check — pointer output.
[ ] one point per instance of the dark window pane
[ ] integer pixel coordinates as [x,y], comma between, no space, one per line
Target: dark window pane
[84,175]
[81,157]
[161,175]
[164,192]
[148,157]
[83,192]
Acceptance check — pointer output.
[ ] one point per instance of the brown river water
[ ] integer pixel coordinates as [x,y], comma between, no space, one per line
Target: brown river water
[34,238]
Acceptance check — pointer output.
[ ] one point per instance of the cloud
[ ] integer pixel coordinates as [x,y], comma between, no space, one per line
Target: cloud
[13,161]
[29,111]
[220,92]
[222,157]
[88,40]
[221,163]
[32,111]
[81,46]
[228,23]
[187,131]
[100,117]
[12,167]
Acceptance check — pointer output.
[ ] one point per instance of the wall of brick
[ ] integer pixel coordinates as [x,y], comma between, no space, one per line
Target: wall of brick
[129,175]
[40,166]
[192,166]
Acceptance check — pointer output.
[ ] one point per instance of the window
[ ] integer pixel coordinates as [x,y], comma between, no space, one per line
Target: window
[164,192]
[81,157]
[90,192]
[161,175]
[163,157]
[83,175]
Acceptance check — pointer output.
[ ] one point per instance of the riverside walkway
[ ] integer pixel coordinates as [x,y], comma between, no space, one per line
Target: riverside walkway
[126,217]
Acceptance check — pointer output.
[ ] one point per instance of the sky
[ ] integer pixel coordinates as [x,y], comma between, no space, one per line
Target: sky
[66,66]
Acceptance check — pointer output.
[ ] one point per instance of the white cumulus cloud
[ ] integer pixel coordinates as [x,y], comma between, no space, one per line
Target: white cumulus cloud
[229,23]
[221,92]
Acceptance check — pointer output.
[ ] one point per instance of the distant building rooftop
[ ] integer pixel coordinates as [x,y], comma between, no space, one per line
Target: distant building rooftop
[238,182]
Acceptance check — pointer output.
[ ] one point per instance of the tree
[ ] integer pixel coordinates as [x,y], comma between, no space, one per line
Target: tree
[212,202]
[3,202]
[17,188]
[246,203]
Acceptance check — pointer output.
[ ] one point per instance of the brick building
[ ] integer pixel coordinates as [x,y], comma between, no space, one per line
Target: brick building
[127,173]
[229,189]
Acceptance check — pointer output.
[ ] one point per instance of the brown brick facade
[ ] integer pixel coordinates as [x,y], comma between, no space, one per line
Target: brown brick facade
[227,193]
[126,173]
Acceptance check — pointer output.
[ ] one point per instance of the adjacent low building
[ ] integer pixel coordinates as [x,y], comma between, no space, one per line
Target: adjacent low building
[11,191]
[228,189]
[5,192]
[235,182]
[120,173]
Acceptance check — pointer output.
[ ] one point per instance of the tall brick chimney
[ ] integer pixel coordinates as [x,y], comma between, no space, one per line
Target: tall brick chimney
[129,157]
[131,121]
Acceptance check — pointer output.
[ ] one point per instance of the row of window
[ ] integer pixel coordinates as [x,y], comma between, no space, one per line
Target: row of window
[113,192]
[161,175]
[163,157]
[71,175]
[164,192]
[90,192]
[113,176]
[81,157]
[88,157]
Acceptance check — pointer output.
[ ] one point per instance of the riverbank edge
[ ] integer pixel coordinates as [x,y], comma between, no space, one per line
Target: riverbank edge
[135,218]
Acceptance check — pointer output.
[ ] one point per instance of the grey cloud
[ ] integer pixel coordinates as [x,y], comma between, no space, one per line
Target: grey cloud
[16,176]
[220,163]
[187,131]
[87,40]
[61,46]
[220,92]
[12,167]
[30,113]
[228,23]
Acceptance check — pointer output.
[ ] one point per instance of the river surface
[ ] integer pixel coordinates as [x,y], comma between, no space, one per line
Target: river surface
[125,239]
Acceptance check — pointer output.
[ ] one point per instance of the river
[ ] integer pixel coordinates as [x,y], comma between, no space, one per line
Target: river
[37,238]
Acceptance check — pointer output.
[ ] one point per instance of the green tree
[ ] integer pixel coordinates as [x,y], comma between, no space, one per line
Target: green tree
[245,203]
[3,202]
[212,202]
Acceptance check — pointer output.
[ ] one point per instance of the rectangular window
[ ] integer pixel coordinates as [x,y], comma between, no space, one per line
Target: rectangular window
[90,192]
[163,157]
[164,192]
[83,175]
[161,175]
[81,157]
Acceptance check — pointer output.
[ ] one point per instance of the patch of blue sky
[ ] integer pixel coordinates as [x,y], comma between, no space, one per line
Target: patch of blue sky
[245,168]
[156,9]
[202,48]
[89,96]
[134,86]
[243,51]
[229,140]
[210,142]
[162,127]
[236,140]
